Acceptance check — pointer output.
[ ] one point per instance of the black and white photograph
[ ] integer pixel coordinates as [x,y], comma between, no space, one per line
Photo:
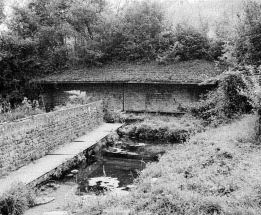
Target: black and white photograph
[130,107]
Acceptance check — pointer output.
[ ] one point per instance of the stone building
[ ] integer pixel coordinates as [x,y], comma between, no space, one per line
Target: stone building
[146,87]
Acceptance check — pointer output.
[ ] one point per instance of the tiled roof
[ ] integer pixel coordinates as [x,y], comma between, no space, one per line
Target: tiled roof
[189,72]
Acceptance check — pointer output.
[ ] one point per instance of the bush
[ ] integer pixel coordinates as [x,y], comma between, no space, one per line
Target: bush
[117,116]
[226,101]
[26,109]
[17,200]
[76,98]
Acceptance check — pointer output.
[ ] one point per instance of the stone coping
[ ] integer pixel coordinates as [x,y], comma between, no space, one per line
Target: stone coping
[41,169]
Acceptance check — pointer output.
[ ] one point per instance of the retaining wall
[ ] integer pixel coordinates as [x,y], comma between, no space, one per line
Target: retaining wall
[24,141]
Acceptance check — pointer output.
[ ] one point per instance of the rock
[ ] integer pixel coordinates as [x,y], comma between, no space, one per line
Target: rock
[75,171]
[56,213]
[43,200]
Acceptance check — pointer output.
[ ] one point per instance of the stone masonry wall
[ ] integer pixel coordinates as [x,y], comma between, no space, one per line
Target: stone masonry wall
[24,141]
[128,96]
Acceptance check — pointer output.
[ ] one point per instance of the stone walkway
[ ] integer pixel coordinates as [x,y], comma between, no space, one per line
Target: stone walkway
[56,158]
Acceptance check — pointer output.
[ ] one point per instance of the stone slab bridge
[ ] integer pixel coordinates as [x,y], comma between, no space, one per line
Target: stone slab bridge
[55,140]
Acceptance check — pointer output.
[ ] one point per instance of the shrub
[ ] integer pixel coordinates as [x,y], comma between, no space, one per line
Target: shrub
[226,101]
[76,98]
[26,109]
[17,200]
[118,116]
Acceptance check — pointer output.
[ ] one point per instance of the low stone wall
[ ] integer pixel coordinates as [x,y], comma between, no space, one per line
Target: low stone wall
[24,141]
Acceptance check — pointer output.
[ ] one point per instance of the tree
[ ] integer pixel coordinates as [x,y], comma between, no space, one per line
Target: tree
[135,35]
[1,10]
[248,43]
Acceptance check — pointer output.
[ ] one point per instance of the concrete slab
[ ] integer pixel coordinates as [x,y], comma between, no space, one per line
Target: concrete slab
[44,165]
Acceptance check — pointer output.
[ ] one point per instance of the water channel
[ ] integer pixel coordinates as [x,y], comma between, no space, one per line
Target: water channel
[115,166]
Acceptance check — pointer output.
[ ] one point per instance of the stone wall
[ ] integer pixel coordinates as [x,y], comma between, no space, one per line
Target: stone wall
[24,141]
[130,96]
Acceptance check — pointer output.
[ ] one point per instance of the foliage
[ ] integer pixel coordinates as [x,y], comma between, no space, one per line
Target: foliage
[18,63]
[188,43]
[26,109]
[140,30]
[247,44]
[118,116]
[46,36]
[226,101]
[217,172]
[252,89]
[1,11]
[16,200]
[76,98]
[160,128]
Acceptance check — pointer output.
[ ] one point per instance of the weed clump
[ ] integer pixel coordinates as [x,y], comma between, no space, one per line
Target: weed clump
[16,200]
[26,109]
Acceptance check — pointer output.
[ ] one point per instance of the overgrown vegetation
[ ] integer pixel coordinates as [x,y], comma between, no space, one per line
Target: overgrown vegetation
[26,109]
[16,200]
[76,98]
[238,92]
[217,172]
[164,129]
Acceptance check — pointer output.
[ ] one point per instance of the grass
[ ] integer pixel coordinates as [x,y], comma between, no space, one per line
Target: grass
[216,172]
[17,200]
